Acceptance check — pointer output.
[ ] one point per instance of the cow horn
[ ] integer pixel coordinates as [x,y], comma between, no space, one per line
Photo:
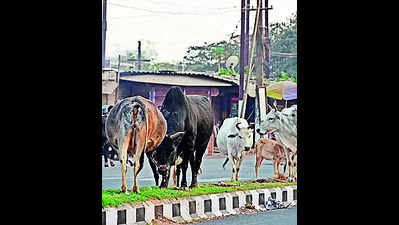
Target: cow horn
[275,105]
[238,126]
[173,136]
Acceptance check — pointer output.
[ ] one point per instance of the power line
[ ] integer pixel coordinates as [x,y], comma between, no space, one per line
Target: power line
[184,7]
[231,9]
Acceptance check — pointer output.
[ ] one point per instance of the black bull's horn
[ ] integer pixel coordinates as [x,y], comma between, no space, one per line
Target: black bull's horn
[238,126]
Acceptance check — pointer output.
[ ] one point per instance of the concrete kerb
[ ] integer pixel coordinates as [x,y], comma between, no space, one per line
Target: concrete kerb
[182,210]
[229,204]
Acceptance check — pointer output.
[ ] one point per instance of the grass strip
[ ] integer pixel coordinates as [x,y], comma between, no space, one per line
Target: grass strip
[113,197]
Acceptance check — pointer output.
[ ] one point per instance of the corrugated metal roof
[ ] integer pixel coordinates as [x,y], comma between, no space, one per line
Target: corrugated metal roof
[108,87]
[177,78]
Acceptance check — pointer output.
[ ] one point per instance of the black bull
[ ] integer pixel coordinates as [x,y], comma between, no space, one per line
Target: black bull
[189,128]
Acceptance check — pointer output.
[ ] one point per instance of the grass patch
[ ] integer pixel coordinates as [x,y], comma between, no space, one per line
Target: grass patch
[114,198]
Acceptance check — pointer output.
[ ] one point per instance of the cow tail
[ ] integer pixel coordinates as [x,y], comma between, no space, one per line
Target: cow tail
[143,108]
[225,162]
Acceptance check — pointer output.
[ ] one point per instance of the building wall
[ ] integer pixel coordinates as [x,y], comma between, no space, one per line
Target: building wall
[108,99]
[220,97]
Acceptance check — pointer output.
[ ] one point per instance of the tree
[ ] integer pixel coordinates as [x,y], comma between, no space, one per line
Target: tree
[212,56]
[283,38]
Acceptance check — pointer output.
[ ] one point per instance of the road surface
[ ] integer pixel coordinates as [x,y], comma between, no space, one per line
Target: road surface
[212,171]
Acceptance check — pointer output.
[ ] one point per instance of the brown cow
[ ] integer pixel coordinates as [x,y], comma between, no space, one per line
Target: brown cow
[269,149]
[135,126]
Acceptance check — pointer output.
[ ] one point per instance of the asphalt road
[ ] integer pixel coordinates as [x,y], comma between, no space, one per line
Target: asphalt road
[212,171]
[274,217]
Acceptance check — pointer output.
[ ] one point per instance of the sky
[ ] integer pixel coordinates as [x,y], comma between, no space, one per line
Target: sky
[171,26]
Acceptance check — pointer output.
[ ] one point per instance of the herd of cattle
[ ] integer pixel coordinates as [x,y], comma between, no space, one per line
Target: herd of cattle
[179,132]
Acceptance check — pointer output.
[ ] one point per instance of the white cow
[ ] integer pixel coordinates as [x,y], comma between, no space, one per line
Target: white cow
[284,125]
[234,139]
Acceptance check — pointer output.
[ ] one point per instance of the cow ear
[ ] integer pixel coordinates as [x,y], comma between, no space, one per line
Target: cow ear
[176,138]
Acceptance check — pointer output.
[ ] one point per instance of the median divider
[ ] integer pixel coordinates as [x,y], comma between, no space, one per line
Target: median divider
[196,207]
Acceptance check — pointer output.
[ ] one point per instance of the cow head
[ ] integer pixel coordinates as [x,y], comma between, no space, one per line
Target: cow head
[244,136]
[165,155]
[270,124]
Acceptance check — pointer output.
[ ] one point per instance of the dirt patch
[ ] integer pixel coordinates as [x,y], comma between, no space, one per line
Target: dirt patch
[163,221]
[270,180]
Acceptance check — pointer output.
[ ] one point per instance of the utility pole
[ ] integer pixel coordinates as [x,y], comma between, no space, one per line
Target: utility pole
[117,80]
[259,50]
[246,40]
[104,30]
[139,60]
[139,55]
[250,67]
[242,50]
[259,66]
[266,43]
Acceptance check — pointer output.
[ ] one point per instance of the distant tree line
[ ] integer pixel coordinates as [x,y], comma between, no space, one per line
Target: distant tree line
[211,57]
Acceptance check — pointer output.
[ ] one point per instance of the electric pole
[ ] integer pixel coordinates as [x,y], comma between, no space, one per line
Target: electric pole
[139,60]
[266,42]
[242,46]
[104,30]
[259,50]
[139,55]
[246,40]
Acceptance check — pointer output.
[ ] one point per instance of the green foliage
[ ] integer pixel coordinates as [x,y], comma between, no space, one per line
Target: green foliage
[284,76]
[226,72]
[211,56]
[283,38]
[114,198]
[157,66]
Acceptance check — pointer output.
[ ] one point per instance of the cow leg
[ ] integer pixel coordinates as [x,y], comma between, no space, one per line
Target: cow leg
[287,159]
[275,168]
[195,164]
[153,167]
[174,175]
[239,164]
[258,163]
[184,166]
[289,165]
[138,163]
[123,158]
[136,170]
[104,153]
[178,170]
[233,165]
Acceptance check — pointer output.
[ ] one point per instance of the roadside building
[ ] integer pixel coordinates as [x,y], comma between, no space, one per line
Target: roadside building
[109,86]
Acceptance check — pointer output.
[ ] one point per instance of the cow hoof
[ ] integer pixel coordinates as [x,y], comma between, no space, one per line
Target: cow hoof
[136,189]
[184,188]
[105,165]
[194,186]
[125,192]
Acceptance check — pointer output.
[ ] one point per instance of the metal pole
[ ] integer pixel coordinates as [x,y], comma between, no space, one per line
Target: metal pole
[139,56]
[117,80]
[242,44]
[259,66]
[266,43]
[250,67]
[104,30]
[246,40]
